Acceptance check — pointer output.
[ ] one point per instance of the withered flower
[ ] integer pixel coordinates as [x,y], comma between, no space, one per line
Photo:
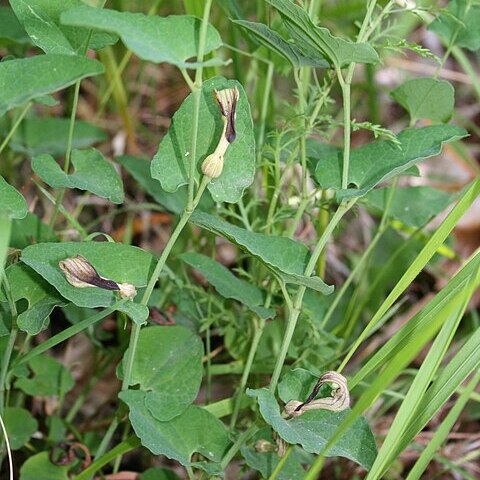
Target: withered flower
[339,400]
[80,273]
[227,100]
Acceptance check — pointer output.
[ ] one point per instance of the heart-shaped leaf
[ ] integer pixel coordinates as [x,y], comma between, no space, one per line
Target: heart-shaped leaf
[12,203]
[426,98]
[27,78]
[116,261]
[92,173]
[171,163]
[228,285]
[20,426]
[39,467]
[284,256]
[41,19]
[168,369]
[152,38]
[380,161]
[313,429]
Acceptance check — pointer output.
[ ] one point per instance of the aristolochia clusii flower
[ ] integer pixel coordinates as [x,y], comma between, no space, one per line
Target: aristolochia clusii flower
[80,273]
[227,100]
[338,401]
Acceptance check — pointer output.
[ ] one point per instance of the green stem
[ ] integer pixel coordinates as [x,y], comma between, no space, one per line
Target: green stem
[243,438]
[197,92]
[281,463]
[468,68]
[294,311]
[15,126]
[66,165]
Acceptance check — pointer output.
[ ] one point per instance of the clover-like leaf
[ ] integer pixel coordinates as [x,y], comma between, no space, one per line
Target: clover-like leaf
[314,428]
[171,163]
[92,173]
[152,38]
[168,369]
[24,79]
[426,98]
[284,256]
[119,262]
[227,284]
[380,161]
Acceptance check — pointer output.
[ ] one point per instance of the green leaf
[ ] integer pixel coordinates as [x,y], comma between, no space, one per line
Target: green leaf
[168,369]
[459,26]
[38,135]
[171,163]
[228,285]
[311,39]
[426,98]
[41,19]
[195,430]
[152,38]
[413,206]
[39,467]
[296,384]
[50,377]
[27,78]
[20,426]
[159,474]
[266,462]
[274,41]
[282,255]
[379,161]
[12,203]
[42,298]
[30,229]
[92,173]
[11,31]
[116,261]
[313,429]
[174,202]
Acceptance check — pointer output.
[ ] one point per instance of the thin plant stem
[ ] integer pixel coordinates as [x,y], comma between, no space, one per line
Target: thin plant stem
[197,92]
[294,312]
[281,463]
[15,125]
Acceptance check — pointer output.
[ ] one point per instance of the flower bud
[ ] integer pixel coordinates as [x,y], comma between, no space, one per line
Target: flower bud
[127,290]
[227,101]
[212,166]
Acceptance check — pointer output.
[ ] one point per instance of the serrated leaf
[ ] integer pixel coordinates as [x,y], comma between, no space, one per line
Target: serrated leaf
[27,78]
[174,202]
[12,203]
[171,163]
[460,26]
[152,38]
[39,135]
[282,255]
[228,285]
[50,377]
[426,98]
[274,41]
[20,426]
[413,206]
[116,261]
[311,39]
[92,173]
[11,31]
[379,161]
[168,369]
[313,429]
[41,19]
[195,430]
[42,298]
[39,467]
